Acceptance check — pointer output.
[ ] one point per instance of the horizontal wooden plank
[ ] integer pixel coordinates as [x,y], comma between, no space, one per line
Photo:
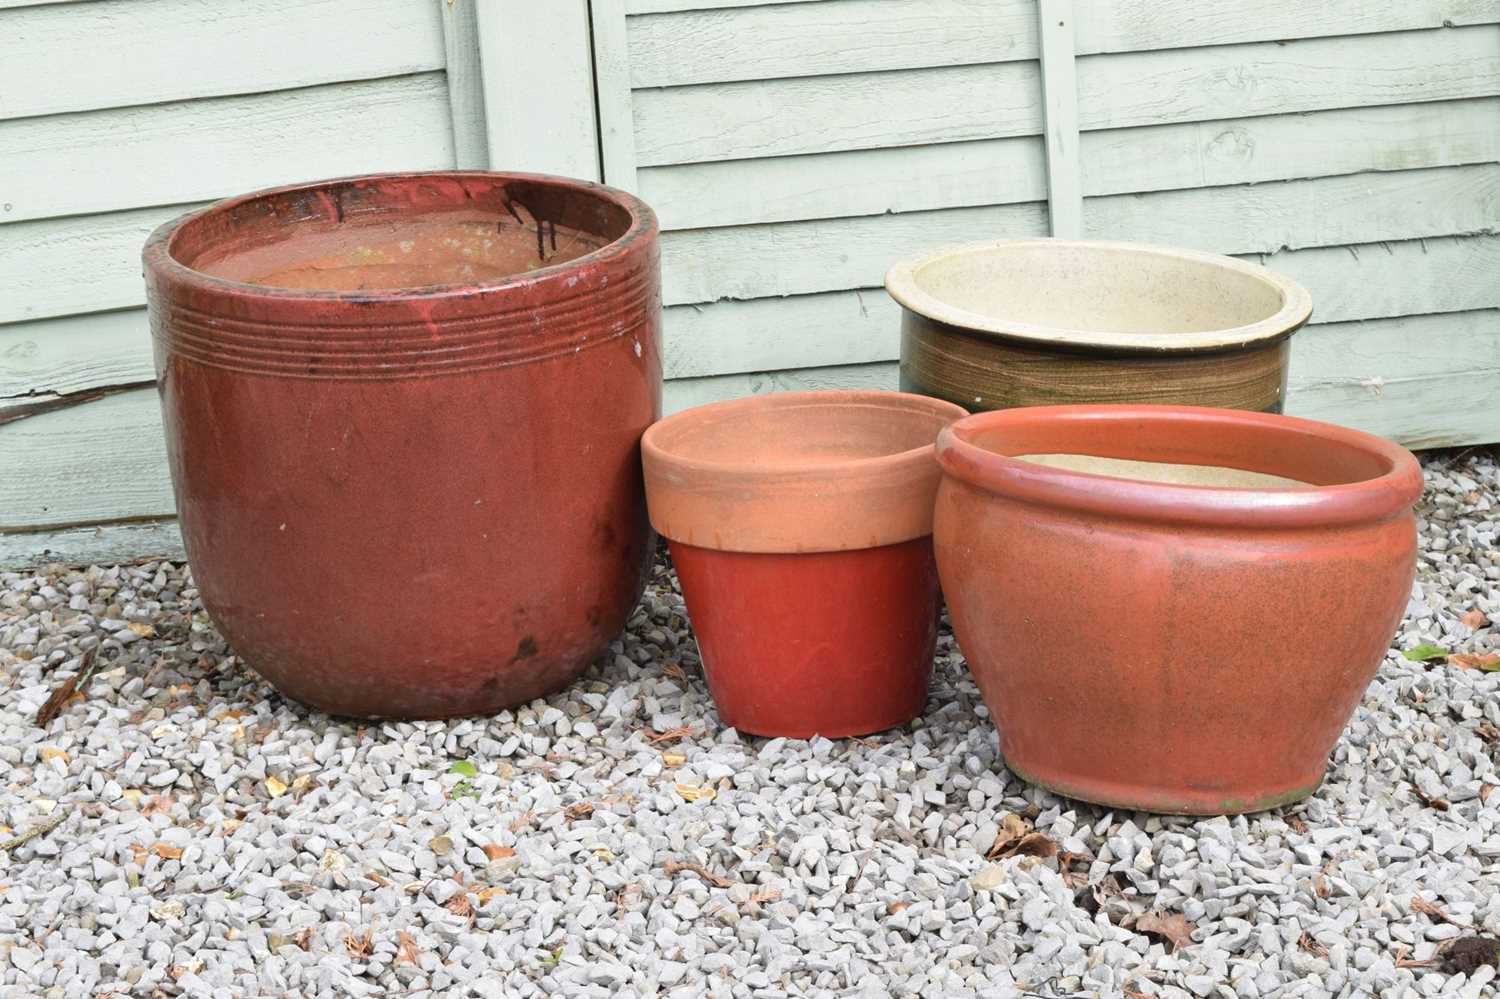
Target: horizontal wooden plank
[836,36]
[169,154]
[793,258]
[1137,25]
[1240,81]
[105,544]
[1423,412]
[759,42]
[122,52]
[689,392]
[820,114]
[82,263]
[670,6]
[1330,211]
[1374,281]
[1291,146]
[844,327]
[74,354]
[1369,353]
[1114,161]
[96,461]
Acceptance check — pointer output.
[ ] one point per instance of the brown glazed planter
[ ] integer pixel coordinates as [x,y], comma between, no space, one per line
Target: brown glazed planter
[1039,322]
[1170,608]
[800,526]
[403,417]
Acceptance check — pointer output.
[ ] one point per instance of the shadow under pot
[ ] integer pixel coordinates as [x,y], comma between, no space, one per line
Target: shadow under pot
[1040,322]
[403,417]
[1172,609]
[800,527]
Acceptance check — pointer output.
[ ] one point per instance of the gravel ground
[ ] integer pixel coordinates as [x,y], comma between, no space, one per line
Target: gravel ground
[195,834]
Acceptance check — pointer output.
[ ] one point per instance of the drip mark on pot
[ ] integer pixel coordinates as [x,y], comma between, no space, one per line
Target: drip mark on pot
[525,649]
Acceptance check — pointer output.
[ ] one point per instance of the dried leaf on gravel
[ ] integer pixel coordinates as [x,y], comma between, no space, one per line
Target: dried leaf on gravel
[460,905]
[578,810]
[896,907]
[406,948]
[1488,662]
[672,867]
[1474,619]
[1420,904]
[691,792]
[74,684]
[1016,839]
[1169,927]
[1467,955]
[167,851]
[1439,804]
[275,788]
[358,945]
[1425,653]
[494,852]
[142,630]
[158,804]
[1307,943]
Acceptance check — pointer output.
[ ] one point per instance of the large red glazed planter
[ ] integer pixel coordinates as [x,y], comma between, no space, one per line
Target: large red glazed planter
[1171,608]
[403,417]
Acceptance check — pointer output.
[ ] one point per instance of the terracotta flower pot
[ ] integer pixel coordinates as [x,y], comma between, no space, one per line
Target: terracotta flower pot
[1038,322]
[1169,608]
[800,525]
[403,417]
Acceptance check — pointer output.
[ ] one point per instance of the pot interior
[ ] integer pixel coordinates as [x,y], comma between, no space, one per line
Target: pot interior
[1098,288]
[399,233]
[768,433]
[1197,447]
[1165,471]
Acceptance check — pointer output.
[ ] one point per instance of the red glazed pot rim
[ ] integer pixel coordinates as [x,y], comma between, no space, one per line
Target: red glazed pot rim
[1079,261]
[797,471]
[435,190]
[1353,477]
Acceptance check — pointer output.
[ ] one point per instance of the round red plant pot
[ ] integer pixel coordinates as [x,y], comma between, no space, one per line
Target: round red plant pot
[1168,608]
[800,526]
[403,417]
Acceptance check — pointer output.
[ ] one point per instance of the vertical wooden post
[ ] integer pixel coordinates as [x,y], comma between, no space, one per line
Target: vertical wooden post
[1060,107]
[465,87]
[536,66]
[612,87]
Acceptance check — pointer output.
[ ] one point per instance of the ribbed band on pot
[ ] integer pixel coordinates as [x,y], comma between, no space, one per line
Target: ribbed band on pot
[1352,477]
[797,471]
[394,333]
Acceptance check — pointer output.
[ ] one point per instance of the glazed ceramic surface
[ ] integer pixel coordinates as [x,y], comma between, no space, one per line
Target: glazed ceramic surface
[403,418]
[1048,321]
[800,527]
[1171,608]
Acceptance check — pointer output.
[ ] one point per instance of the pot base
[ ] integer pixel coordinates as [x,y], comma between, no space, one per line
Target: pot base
[1161,800]
[835,644]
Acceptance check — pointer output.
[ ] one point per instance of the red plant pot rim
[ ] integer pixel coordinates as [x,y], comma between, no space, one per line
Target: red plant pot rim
[1354,477]
[725,498]
[483,323]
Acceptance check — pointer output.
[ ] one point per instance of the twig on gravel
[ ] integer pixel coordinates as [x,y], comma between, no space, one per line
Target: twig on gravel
[54,704]
[40,829]
[1420,904]
[672,867]
[670,735]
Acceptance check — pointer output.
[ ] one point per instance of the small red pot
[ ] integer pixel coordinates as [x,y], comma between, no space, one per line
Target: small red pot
[1169,608]
[800,526]
[403,417]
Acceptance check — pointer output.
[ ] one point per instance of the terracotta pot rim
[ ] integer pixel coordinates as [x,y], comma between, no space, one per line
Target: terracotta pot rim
[1281,445]
[159,259]
[798,504]
[1296,303]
